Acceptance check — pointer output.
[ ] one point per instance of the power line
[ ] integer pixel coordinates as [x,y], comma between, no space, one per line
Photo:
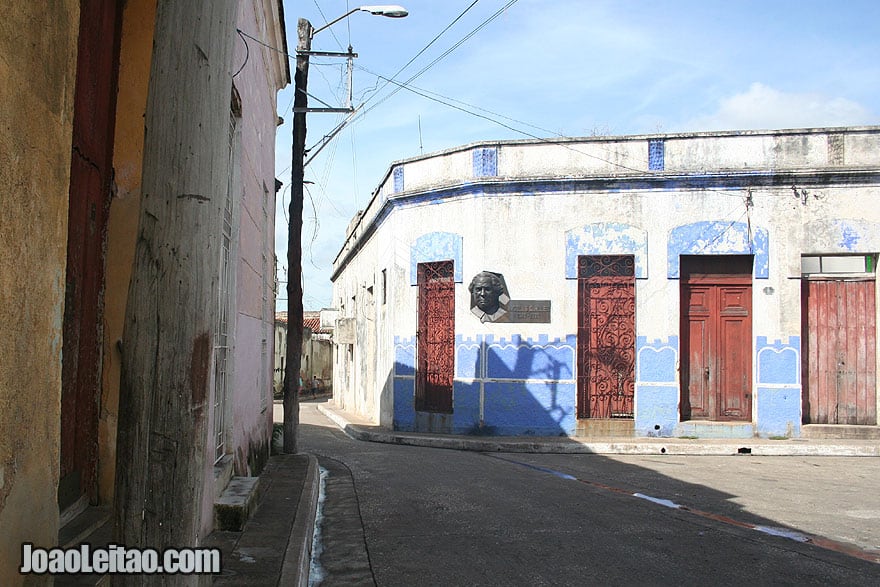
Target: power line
[426,47]
[438,59]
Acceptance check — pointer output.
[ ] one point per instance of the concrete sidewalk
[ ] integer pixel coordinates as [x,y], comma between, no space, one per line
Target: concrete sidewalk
[359,429]
[275,546]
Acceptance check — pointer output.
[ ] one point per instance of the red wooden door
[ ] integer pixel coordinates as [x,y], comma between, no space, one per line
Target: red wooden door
[90,177]
[839,351]
[436,337]
[716,341]
[606,336]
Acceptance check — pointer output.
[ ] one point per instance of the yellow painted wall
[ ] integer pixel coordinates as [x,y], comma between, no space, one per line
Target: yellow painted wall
[38,69]
[138,22]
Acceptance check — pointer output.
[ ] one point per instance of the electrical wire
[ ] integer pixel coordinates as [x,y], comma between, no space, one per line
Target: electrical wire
[247,52]
[426,47]
[484,24]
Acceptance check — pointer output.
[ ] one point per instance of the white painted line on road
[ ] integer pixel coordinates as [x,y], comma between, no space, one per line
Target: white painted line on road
[657,500]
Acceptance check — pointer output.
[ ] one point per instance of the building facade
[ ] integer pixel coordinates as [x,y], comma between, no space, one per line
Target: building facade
[705,284]
[317,349]
[73,230]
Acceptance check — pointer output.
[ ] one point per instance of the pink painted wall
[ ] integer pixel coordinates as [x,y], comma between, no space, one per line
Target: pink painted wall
[263,72]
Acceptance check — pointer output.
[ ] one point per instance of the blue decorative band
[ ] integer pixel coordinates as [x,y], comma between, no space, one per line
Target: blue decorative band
[719,238]
[436,246]
[606,238]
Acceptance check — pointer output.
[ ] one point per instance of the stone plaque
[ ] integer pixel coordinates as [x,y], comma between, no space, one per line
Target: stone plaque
[529,311]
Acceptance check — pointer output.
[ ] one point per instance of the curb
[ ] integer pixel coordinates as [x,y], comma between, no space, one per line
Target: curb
[298,554]
[659,446]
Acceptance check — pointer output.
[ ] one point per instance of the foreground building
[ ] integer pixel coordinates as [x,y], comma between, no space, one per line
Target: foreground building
[705,284]
[136,265]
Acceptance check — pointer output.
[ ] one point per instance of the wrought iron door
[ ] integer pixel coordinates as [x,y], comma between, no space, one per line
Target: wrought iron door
[606,336]
[436,337]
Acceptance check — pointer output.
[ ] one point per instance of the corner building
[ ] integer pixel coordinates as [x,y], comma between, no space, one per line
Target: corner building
[705,284]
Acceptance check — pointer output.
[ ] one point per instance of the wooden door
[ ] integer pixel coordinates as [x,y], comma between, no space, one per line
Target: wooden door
[90,183]
[716,371]
[436,337]
[839,351]
[606,336]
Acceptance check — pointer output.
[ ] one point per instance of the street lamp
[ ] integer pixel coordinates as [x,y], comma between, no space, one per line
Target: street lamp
[305,33]
[389,10]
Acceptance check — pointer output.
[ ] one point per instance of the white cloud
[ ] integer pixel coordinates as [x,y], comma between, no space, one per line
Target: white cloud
[763,107]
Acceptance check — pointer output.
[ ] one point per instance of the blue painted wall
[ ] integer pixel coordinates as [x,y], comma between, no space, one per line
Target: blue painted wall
[779,387]
[657,388]
[606,238]
[527,387]
[435,246]
[485,162]
[718,238]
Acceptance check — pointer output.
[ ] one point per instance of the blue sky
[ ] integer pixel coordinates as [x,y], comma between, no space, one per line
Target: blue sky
[560,67]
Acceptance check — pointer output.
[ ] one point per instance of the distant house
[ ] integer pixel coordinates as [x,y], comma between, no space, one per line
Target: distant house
[317,348]
[81,205]
[708,284]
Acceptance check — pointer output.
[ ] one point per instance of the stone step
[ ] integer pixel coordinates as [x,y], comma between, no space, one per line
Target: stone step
[602,428]
[236,504]
[840,431]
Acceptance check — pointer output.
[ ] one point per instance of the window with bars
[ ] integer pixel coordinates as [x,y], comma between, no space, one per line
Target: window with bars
[222,335]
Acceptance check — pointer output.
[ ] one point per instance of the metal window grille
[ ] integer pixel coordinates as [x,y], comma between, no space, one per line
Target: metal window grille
[221,336]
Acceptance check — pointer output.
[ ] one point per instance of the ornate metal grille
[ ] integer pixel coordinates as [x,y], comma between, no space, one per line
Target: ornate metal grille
[436,337]
[606,336]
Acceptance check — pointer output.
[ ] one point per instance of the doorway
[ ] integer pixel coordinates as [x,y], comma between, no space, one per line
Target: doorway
[716,339]
[90,185]
[436,337]
[606,336]
[839,340]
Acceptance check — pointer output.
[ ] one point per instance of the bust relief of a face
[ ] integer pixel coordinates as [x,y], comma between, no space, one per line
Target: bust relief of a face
[486,292]
[488,296]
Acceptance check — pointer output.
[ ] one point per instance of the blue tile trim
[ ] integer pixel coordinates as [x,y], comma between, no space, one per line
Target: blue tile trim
[719,238]
[528,187]
[606,238]
[485,162]
[436,246]
[398,179]
[656,154]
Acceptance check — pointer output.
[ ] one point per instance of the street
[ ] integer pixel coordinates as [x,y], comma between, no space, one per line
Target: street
[398,515]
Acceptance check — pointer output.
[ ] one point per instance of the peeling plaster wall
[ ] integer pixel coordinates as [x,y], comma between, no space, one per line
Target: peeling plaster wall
[528,209]
[38,62]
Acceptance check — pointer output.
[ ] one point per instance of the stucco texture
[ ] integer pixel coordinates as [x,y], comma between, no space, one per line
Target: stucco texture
[37,60]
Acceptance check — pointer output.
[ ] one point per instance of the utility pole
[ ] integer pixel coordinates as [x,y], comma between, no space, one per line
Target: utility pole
[165,394]
[294,239]
[305,32]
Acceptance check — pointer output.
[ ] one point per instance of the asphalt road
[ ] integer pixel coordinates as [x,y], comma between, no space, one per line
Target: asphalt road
[411,516]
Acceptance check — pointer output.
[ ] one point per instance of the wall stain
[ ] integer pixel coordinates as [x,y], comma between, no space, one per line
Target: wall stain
[200,362]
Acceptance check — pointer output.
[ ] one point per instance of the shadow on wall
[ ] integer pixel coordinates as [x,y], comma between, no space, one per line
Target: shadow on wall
[526,388]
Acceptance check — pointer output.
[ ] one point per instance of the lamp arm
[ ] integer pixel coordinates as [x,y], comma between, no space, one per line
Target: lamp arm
[334,21]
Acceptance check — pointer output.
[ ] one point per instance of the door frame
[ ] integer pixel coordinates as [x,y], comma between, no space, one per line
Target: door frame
[812,354]
[435,340]
[594,272]
[716,273]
